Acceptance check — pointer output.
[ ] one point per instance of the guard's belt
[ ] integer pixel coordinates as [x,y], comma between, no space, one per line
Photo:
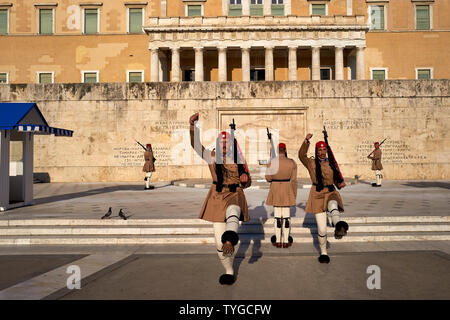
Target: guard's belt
[330,187]
[281,180]
[231,187]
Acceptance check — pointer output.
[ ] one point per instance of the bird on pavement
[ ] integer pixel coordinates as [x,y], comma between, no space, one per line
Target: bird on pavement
[108,214]
[122,215]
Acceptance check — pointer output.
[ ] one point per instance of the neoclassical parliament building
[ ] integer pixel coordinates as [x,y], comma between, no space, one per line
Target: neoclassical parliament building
[85,41]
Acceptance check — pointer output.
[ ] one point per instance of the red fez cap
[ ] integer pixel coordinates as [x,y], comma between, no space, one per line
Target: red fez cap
[377,142]
[224,135]
[149,145]
[321,144]
[282,145]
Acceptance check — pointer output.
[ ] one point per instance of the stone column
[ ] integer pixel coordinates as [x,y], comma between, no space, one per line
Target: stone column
[245,63]
[28,168]
[198,64]
[222,63]
[269,64]
[292,63]
[175,64]
[154,67]
[315,66]
[360,71]
[339,63]
[4,167]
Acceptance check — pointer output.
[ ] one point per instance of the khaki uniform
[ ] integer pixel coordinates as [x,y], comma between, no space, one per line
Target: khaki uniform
[216,203]
[318,201]
[282,193]
[376,160]
[148,165]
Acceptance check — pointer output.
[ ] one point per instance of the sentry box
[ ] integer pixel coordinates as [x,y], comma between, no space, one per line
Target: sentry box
[19,122]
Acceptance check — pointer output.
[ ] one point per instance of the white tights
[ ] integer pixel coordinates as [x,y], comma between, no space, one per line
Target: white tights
[321,220]
[232,224]
[282,215]
[148,175]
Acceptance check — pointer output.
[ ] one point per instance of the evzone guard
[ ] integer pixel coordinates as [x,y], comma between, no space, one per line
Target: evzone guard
[149,166]
[375,156]
[225,205]
[323,197]
[282,175]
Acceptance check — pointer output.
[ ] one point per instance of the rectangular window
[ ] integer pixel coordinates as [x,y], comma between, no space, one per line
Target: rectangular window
[257,74]
[277,8]
[256,8]
[194,10]
[45,21]
[90,77]
[423,74]
[376,17]
[319,9]
[188,75]
[378,74]
[45,77]
[325,74]
[235,8]
[135,76]
[90,21]
[135,20]
[423,17]
[3,77]
[3,21]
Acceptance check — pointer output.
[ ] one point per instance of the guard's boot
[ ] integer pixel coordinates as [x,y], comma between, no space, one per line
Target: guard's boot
[227,279]
[340,229]
[324,258]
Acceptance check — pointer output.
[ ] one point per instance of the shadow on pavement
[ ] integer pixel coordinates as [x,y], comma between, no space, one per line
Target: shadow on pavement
[428,184]
[258,213]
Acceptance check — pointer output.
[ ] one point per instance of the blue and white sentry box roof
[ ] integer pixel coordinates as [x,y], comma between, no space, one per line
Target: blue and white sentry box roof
[26,117]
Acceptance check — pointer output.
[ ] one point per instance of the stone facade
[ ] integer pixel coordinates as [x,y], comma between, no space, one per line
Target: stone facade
[108,117]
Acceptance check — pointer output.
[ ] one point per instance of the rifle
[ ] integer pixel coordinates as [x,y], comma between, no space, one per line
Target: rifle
[151,149]
[376,149]
[232,128]
[333,163]
[272,147]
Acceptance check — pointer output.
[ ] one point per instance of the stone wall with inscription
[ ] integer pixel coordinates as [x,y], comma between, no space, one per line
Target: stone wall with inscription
[108,119]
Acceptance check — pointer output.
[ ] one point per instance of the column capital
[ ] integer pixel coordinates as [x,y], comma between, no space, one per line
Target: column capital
[245,48]
[174,49]
[199,49]
[269,47]
[221,48]
[361,47]
[292,47]
[316,47]
[339,47]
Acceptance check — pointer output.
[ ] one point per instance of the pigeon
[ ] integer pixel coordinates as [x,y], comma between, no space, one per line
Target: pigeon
[108,214]
[122,215]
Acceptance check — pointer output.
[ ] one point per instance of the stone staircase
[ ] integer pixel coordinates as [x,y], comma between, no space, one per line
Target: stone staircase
[195,231]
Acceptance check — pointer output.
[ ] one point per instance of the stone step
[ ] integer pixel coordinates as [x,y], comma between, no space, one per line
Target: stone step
[143,240]
[197,222]
[206,230]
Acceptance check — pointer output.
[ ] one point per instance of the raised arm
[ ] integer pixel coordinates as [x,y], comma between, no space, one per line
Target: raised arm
[302,153]
[196,144]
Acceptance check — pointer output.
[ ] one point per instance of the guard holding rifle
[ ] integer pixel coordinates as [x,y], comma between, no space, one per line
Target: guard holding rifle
[149,165]
[375,156]
[282,175]
[323,196]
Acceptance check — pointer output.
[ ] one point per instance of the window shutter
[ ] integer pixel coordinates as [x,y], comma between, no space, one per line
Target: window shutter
[194,10]
[135,77]
[90,21]
[378,75]
[90,77]
[45,78]
[256,10]
[135,20]
[3,21]
[235,10]
[423,17]
[423,74]
[45,21]
[278,9]
[2,77]
[318,9]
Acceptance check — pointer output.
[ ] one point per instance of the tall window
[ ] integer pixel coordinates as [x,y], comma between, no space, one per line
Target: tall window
[3,21]
[319,9]
[90,21]
[256,8]
[90,76]
[194,10]
[135,76]
[135,20]
[3,77]
[235,8]
[423,73]
[45,77]
[277,8]
[325,73]
[45,21]
[379,74]
[423,17]
[376,17]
